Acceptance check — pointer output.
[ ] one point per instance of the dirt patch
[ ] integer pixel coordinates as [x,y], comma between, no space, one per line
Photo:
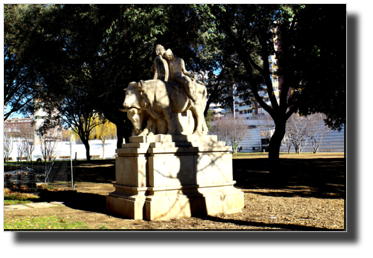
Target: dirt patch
[308,194]
[261,212]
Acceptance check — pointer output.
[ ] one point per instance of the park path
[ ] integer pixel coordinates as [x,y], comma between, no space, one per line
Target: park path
[38,205]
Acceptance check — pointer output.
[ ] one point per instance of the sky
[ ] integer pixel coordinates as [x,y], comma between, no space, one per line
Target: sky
[14,115]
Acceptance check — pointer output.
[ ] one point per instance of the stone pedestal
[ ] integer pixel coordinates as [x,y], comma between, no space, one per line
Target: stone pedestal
[163,177]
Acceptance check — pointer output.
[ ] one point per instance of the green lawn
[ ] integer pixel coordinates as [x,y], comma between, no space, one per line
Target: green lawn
[18,198]
[285,155]
[46,222]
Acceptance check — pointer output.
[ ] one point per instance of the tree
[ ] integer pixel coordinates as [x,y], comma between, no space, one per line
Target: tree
[8,145]
[298,131]
[318,130]
[88,47]
[82,123]
[256,32]
[220,128]
[101,48]
[321,62]
[26,136]
[231,130]
[250,28]
[104,131]
[209,118]
[29,148]
[267,124]
[21,25]
[20,149]
[48,144]
[301,130]
[66,135]
[287,142]
[184,28]
[98,49]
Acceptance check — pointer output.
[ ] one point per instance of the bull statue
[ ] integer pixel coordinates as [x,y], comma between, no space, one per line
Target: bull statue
[156,102]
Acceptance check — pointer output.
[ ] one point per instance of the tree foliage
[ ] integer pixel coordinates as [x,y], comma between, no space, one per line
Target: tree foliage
[98,49]
[21,25]
[104,131]
[79,58]
[256,32]
[321,62]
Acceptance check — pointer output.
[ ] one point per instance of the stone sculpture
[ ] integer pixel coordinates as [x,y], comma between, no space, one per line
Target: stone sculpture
[179,74]
[160,66]
[157,102]
[170,169]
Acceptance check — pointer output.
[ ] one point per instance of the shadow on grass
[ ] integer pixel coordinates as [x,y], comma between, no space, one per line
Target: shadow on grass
[95,171]
[75,200]
[319,178]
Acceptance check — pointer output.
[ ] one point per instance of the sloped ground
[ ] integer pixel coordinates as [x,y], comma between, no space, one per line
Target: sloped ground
[307,193]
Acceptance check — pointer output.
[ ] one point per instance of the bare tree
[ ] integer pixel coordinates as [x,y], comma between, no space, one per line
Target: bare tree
[318,130]
[26,135]
[48,142]
[48,147]
[231,130]
[29,148]
[298,131]
[20,148]
[268,125]
[287,142]
[8,145]
[219,128]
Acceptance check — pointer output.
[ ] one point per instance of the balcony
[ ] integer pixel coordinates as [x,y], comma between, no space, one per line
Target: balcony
[244,107]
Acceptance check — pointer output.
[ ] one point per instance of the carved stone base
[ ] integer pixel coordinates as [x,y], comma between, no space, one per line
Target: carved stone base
[163,177]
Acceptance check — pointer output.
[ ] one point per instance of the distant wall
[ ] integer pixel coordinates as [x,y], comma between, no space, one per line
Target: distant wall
[333,142]
[63,149]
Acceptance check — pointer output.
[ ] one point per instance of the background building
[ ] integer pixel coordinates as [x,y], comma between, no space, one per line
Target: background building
[16,125]
[262,128]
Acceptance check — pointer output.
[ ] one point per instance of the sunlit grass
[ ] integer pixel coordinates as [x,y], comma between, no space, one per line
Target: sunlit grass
[11,198]
[46,222]
[307,155]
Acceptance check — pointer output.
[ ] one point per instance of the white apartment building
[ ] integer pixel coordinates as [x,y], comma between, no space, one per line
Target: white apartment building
[256,140]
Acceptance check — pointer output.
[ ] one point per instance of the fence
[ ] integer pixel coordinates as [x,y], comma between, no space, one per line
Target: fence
[31,176]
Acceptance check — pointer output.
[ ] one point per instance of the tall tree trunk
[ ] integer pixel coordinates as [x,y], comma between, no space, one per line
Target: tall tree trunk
[124,130]
[87,150]
[119,135]
[233,148]
[275,144]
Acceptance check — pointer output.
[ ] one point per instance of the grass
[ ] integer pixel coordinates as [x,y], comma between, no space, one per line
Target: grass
[13,197]
[46,222]
[249,155]
[34,222]
[18,198]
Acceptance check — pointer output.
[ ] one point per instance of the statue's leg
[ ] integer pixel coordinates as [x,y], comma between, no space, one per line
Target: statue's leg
[188,86]
[205,129]
[197,110]
[162,126]
[144,132]
[152,126]
[170,123]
